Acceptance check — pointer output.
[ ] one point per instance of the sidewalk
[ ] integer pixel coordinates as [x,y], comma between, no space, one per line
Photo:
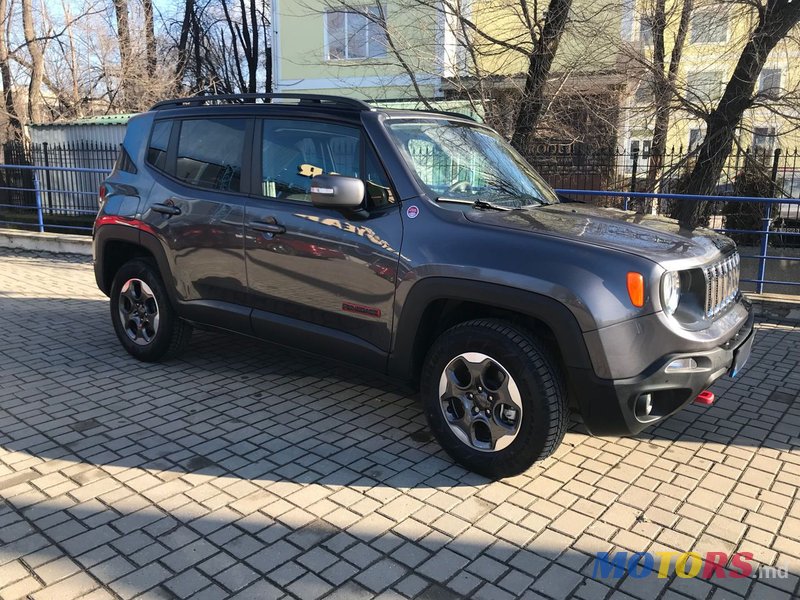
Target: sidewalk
[250,471]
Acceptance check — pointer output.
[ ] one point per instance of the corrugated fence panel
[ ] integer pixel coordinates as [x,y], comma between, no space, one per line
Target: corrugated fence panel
[71,134]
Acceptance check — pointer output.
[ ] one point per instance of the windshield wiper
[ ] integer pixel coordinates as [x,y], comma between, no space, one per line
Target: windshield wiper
[479,204]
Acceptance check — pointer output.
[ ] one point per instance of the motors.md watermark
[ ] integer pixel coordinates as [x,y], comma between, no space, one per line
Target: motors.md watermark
[685,565]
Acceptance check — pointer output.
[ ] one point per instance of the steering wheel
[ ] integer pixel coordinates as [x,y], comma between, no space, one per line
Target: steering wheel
[460,186]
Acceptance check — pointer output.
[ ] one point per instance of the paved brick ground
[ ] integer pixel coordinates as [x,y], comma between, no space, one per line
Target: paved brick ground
[247,470]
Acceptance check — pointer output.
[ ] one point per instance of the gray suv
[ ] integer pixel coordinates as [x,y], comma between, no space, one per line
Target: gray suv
[420,245]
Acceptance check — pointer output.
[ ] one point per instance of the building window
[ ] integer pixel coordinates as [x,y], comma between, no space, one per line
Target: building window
[764,138]
[645,32]
[642,148]
[770,81]
[705,85]
[644,93]
[695,137]
[709,27]
[354,35]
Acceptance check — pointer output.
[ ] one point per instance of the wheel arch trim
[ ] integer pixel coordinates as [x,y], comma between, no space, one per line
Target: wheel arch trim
[134,236]
[423,293]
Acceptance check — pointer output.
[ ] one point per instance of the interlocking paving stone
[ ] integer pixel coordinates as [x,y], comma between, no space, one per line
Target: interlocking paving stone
[243,470]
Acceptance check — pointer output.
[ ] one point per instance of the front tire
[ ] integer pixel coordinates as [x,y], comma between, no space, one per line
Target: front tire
[493,397]
[144,320]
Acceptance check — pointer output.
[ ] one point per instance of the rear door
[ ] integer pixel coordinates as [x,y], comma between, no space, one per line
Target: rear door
[328,273]
[197,207]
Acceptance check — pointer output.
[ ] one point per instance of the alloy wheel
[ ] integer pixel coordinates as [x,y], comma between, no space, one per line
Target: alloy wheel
[480,402]
[138,311]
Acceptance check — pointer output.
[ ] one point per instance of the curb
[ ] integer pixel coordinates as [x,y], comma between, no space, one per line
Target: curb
[776,307]
[59,243]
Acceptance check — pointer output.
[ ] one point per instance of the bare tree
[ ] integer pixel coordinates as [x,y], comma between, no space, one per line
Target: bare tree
[34,47]
[223,47]
[124,39]
[182,43]
[663,77]
[774,20]
[71,55]
[5,72]
[150,37]
[545,35]
[509,74]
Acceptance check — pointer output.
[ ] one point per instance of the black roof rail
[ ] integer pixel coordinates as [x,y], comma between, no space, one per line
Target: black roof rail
[376,104]
[313,99]
[447,113]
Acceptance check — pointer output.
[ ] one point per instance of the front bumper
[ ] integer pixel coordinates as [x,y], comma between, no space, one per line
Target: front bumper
[608,406]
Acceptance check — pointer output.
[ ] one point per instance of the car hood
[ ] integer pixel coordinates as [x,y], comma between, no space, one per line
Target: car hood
[658,238]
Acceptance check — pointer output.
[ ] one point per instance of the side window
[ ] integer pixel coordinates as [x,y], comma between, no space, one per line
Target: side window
[210,153]
[292,152]
[379,190]
[159,141]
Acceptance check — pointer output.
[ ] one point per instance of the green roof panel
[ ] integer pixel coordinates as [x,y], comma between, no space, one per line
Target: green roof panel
[96,120]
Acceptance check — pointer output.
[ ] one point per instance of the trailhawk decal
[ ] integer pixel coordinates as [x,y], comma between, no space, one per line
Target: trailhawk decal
[369,311]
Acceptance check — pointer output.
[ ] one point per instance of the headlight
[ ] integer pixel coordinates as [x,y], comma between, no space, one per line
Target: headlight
[670,291]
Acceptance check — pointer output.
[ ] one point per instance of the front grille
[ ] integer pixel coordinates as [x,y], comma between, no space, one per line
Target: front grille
[722,285]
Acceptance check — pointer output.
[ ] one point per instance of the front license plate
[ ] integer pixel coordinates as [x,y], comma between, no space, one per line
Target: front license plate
[741,354]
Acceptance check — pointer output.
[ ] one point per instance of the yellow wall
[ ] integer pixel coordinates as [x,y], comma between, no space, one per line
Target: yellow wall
[302,53]
[585,47]
[414,30]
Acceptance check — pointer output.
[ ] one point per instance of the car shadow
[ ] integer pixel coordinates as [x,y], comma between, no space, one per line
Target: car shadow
[245,409]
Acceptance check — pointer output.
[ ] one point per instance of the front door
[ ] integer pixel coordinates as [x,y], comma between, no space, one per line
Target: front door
[322,279]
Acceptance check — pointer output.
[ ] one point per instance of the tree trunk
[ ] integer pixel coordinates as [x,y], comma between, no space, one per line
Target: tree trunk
[37,64]
[183,41]
[150,37]
[5,76]
[75,96]
[539,63]
[774,23]
[124,41]
[236,37]
[253,58]
[663,85]
[199,80]
[267,52]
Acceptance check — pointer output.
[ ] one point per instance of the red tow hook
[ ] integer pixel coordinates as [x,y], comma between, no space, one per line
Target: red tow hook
[706,397]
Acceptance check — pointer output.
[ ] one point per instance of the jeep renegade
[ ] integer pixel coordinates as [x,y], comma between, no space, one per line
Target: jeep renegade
[421,245]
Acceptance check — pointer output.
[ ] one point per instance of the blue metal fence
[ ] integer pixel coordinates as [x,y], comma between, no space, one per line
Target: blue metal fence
[49,198]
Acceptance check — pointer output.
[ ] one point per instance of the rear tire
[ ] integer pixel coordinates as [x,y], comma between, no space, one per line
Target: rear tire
[143,317]
[493,397]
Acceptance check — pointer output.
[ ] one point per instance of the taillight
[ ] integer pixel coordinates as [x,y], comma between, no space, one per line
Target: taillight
[103,192]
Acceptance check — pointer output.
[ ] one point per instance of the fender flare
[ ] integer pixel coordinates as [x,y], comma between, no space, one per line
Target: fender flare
[134,236]
[551,312]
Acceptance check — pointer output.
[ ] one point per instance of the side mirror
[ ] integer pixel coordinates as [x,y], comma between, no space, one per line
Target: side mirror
[337,191]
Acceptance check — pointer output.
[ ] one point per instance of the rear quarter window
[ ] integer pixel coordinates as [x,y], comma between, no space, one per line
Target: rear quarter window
[124,161]
[159,142]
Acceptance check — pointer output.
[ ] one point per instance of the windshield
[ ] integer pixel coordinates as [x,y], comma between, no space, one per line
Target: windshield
[461,162]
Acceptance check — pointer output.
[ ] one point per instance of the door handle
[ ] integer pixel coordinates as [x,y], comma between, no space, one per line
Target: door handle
[166,209]
[267,227]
